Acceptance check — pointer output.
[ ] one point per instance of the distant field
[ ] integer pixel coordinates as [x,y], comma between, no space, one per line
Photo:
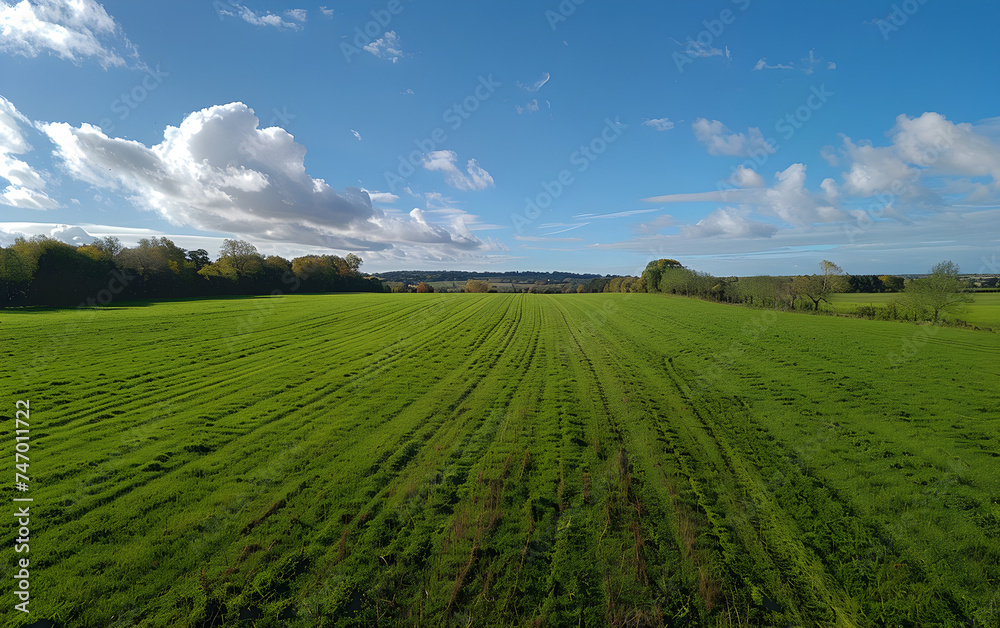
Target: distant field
[984,312]
[453,460]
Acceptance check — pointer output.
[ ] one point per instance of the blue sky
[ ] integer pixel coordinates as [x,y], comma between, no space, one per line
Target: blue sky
[738,136]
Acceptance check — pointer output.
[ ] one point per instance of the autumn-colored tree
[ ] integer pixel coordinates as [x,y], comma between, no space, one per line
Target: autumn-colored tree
[424,287]
[477,285]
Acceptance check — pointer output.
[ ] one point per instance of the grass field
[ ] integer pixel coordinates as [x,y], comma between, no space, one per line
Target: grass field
[984,312]
[508,460]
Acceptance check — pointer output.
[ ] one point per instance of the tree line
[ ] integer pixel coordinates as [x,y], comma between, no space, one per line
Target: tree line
[924,298]
[44,271]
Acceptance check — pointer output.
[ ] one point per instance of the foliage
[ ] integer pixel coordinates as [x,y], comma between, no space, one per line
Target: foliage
[940,292]
[477,285]
[43,271]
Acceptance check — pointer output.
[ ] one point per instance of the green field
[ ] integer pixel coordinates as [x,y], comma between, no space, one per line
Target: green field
[984,312]
[508,460]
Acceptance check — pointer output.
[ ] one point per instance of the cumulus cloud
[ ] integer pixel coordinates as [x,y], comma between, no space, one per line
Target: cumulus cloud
[265,19]
[219,172]
[475,178]
[925,149]
[537,85]
[746,178]
[660,124]
[729,222]
[721,141]
[787,200]
[25,189]
[70,29]
[386,47]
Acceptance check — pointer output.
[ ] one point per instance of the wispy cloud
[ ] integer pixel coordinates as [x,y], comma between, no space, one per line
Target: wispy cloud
[474,179]
[660,124]
[386,47]
[356,134]
[537,85]
[806,64]
[530,107]
[264,19]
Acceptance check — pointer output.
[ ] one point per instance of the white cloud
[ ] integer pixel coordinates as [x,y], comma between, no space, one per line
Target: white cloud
[806,64]
[721,141]
[356,134]
[729,222]
[25,189]
[219,172]
[264,19]
[694,49]
[387,47]
[660,124]
[763,65]
[537,85]
[382,197]
[788,199]
[326,12]
[530,107]
[445,161]
[926,149]
[746,178]
[70,29]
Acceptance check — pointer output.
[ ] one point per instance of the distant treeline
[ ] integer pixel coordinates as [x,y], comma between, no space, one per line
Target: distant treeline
[43,271]
[668,275]
[928,297]
[414,277]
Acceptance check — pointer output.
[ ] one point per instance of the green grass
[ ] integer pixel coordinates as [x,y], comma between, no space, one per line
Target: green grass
[984,312]
[383,460]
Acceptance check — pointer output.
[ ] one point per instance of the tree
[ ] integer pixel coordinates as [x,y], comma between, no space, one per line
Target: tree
[199,257]
[353,262]
[892,283]
[424,287]
[477,285]
[241,256]
[655,269]
[110,245]
[940,292]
